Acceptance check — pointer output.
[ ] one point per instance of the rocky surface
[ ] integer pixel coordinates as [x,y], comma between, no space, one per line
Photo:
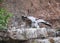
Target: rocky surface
[34,35]
[50,40]
[4,35]
[31,33]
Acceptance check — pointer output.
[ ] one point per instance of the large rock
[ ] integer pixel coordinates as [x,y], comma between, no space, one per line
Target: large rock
[17,34]
[51,32]
[22,34]
[30,33]
[42,32]
[49,40]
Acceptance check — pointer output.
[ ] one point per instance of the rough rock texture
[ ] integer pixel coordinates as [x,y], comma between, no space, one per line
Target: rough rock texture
[49,40]
[45,9]
[34,35]
[4,35]
[31,33]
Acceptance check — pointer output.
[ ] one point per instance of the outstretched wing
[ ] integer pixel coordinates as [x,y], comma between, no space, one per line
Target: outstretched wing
[44,22]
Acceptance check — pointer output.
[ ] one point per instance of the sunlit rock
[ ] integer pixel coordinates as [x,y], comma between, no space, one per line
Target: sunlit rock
[57,39]
[20,34]
[51,32]
[16,34]
[48,40]
[42,32]
[41,41]
[31,33]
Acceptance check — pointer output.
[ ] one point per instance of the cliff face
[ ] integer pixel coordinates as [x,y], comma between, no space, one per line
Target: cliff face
[44,9]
